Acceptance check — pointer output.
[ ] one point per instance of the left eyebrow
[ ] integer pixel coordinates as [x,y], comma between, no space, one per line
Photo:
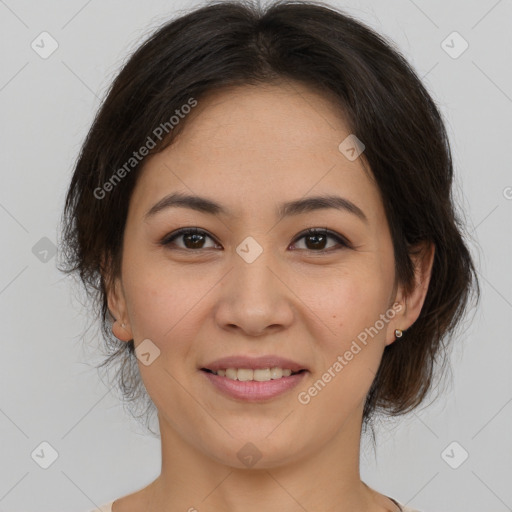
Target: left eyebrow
[297,207]
[313,203]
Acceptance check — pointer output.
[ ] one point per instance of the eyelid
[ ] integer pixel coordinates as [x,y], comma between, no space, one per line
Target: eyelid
[170,237]
[341,240]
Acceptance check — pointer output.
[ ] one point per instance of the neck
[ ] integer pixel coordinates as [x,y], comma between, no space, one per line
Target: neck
[326,479]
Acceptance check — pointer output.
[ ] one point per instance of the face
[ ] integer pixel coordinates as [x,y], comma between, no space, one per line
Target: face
[250,282]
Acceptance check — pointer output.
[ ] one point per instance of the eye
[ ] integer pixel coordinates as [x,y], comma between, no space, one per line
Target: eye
[193,238]
[318,237]
[315,239]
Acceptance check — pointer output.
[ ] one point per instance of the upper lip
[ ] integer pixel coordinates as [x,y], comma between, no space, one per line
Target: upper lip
[254,363]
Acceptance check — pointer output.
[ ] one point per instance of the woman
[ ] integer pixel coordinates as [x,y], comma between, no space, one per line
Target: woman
[262,211]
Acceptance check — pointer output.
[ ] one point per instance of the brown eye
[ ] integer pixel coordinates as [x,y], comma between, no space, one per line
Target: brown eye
[192,238]
[316,240]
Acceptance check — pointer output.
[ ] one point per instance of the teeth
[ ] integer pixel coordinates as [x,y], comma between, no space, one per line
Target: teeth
[260,375]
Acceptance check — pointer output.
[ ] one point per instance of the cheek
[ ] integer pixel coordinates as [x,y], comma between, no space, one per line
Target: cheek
[351,347]
[157,301]
[350,307]
[349,300]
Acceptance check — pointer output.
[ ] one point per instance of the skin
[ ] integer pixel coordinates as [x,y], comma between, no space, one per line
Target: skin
[250,149]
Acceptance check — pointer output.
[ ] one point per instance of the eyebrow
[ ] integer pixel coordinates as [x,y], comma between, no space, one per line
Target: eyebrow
[290,208]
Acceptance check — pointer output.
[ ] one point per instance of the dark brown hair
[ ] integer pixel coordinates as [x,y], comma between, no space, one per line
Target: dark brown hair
[384,104]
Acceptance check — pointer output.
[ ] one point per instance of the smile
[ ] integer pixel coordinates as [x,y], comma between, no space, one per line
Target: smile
[253,385]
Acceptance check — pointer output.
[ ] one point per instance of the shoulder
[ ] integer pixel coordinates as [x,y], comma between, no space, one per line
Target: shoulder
[107,507]
[403,508]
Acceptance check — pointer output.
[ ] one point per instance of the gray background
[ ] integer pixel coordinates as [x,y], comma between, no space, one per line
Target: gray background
[49,388]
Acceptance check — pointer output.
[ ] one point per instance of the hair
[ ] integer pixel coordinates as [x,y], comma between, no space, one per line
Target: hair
[384,103]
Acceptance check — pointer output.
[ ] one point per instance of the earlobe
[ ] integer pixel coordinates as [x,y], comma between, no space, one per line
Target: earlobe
[121,331]
[396,329]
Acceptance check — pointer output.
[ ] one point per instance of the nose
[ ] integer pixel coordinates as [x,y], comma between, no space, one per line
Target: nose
[254,297]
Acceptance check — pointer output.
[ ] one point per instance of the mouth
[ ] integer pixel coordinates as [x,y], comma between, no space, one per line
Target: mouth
[257,375]
[248,385]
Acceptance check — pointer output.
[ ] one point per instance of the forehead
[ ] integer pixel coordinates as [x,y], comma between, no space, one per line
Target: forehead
[248,145]
[278,118]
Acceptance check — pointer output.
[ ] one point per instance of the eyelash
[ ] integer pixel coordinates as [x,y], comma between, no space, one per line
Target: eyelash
[343,242]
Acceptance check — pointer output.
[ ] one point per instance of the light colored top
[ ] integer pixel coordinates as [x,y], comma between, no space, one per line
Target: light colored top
[108,507]
[104,508]
[403,508]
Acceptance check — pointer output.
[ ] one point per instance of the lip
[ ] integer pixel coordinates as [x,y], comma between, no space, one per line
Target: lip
[254,363]
[254,391]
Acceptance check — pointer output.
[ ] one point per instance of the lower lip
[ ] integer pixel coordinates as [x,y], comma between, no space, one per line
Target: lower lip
[254,391]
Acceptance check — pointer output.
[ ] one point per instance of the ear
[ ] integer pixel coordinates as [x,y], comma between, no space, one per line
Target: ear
[412,300]
[117,307]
